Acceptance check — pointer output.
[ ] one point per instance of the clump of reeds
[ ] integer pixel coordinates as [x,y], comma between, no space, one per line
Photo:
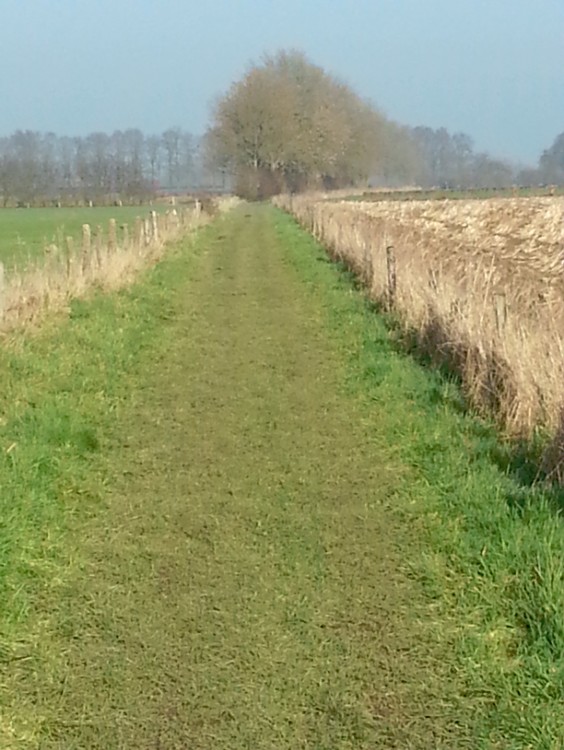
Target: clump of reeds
[480,286]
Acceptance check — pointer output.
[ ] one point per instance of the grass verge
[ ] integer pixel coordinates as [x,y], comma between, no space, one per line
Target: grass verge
[63,386]
[492,547]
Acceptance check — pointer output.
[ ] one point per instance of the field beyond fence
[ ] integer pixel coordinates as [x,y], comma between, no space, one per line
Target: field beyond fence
[478,285]
[107,256]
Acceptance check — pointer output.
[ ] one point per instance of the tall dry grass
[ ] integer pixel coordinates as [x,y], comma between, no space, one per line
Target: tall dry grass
[480,285]
[105,257]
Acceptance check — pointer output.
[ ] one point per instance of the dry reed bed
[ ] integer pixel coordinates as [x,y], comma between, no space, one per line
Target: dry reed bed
[108,258]
[479,282]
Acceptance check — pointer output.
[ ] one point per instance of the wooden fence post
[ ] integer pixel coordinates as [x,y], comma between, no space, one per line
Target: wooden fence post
[98,245]
[86,246]
[125,236]
[69,250]
[392,277]
[147,231]
[500,309]
[154,227]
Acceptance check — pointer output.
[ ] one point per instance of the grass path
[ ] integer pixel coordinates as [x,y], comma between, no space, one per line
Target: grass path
[225,548]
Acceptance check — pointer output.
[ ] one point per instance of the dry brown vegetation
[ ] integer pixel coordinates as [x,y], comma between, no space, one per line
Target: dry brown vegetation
[480,284]
[107,258]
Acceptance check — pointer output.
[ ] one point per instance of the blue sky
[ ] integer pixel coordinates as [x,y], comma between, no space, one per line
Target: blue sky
[491,68]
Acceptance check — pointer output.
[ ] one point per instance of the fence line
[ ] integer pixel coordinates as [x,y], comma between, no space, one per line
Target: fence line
[98,259]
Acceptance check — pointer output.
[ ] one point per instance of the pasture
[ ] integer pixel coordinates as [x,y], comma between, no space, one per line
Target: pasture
[25,232]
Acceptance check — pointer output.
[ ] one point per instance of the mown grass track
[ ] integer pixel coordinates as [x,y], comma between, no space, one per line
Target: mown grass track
[225,526]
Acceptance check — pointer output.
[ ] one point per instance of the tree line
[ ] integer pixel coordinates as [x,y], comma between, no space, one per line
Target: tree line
[288,125]
[450,161]
[129,165]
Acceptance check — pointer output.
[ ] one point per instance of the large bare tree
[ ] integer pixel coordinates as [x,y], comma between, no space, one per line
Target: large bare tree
[288,124]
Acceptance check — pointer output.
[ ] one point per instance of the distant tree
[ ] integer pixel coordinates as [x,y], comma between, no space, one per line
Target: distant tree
[186,160]
[449,161]
[399,160]
[8,172]
[287,124]
[446,160]
[153,156]
[66,150]
[172,139]
[135,183]
[492,173]
[24,149]
[551,163]
[101,154]
[529,177]
[214,162]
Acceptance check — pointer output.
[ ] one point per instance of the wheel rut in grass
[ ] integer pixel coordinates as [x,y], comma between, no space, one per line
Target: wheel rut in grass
[243,586]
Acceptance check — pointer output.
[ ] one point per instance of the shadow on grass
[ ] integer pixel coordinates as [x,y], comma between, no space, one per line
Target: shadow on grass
[520,460]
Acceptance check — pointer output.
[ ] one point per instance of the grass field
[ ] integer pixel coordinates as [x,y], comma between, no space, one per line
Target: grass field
[25,232]
[235,515]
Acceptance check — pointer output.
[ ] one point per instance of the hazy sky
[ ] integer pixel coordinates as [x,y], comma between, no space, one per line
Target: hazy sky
[491,68]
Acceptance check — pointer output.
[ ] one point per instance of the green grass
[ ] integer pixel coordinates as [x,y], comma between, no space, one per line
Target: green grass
[492,545]
[235,515]
[25,232]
